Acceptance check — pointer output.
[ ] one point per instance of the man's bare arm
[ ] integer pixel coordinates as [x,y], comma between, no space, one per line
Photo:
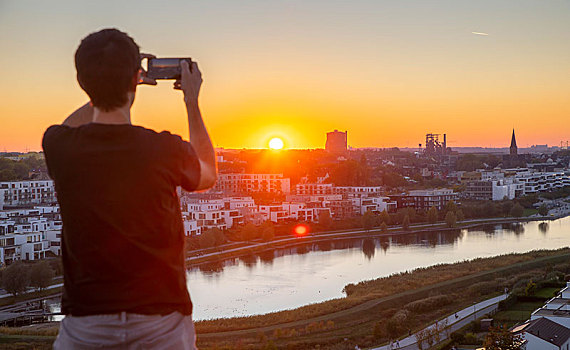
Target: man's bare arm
[83,115]
[199,138]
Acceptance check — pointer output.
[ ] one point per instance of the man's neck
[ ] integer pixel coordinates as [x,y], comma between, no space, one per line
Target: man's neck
[116,116]
[121,115]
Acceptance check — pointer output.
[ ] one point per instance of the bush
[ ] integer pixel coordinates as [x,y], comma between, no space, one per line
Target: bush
[458,337]
[517,211]
[530,288]
[429,304]
[555,276]
[471,339]
[349,289]
[397,324]
[483,288]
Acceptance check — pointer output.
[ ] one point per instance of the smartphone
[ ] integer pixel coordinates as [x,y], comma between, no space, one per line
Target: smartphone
[166,68]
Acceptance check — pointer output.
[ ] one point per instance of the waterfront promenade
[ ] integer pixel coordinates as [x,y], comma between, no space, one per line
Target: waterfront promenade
[452,323]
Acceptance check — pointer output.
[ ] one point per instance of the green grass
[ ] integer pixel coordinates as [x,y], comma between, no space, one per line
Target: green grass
[529,212]
[519,312]
[546,292]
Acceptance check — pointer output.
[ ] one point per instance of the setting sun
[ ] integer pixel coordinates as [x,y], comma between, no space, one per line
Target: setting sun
[276,143]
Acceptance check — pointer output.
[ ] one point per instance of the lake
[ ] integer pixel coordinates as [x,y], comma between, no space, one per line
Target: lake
[314,272]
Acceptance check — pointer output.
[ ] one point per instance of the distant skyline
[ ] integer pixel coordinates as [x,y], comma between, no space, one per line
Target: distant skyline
[387,71]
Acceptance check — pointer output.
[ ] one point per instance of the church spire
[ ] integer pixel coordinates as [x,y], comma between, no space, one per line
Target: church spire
[513,148]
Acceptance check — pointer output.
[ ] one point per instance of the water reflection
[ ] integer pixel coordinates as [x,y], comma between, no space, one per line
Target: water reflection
[267,257]
[368,248]
[366,245]
[311,272]
[212,267]
[249,260]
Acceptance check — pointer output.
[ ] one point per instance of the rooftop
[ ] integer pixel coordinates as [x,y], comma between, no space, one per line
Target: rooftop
[549,330]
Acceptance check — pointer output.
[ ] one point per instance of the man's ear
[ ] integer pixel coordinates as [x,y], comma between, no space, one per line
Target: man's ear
[135,81]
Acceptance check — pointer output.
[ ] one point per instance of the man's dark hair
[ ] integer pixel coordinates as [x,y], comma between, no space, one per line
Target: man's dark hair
[106,62]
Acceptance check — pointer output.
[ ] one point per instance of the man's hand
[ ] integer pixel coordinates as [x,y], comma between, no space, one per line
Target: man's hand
[144,79]
[190,82]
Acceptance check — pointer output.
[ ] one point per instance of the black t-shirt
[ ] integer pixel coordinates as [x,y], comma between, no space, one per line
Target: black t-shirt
[122,236]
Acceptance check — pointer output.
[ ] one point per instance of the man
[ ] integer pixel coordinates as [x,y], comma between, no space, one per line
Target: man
[122,237]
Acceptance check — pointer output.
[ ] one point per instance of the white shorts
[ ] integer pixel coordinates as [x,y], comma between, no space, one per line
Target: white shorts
[126,331]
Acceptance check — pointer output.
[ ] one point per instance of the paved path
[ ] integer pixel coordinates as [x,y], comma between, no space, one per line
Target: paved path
[46,297]
[454,322]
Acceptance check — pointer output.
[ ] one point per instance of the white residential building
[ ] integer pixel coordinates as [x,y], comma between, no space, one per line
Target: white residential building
[22,193]
[535,181]
[495,190]
[29,234]
[248,183]
[359,191]
[201,214]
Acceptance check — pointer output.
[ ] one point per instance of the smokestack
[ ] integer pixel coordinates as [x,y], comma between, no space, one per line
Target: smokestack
[444,143]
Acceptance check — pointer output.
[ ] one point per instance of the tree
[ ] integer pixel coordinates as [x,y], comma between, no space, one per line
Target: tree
[530,288]
[219,236]
[506,207]
[517,211]
[206,239]
[459,214]
[432,215]
[450,206]
[385,217]
[16,278]
[450,219]
[267,231]
[249,232]
[383,227]
[368,220]
[406,222]
[41,275]
[543,210]
[325,219]
[500,338]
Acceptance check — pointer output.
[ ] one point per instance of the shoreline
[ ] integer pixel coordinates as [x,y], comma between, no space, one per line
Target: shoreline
[287,242]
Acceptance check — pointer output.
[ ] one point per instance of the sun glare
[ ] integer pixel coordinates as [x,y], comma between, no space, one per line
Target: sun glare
[276,143]
[301,230]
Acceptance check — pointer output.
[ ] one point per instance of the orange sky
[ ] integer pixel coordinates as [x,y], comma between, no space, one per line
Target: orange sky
[386,72]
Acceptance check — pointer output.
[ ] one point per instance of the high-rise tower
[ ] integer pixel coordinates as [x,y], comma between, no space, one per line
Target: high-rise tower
[513,148]
[336,141]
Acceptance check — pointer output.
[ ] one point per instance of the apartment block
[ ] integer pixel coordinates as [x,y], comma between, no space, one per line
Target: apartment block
[423,200]
[240,184]
[29,234]
[27,193]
